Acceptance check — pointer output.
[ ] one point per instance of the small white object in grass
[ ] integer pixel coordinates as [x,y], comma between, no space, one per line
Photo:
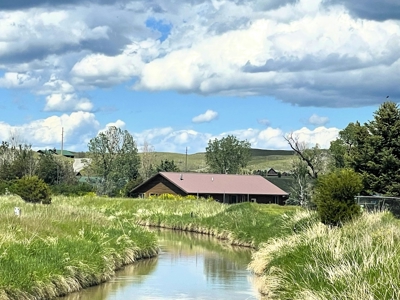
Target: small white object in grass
[17,211]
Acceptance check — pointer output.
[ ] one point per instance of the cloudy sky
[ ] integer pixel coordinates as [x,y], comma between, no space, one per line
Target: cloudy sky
[177,73]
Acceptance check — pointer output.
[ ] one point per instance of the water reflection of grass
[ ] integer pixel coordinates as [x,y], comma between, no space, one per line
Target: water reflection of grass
[135,270]
[221,259]
[190,243]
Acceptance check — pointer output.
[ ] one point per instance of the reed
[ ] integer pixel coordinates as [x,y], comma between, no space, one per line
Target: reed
[52,250]
[245,224]
[357,261]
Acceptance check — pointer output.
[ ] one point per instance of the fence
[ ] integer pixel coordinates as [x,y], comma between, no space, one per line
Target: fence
[378,203]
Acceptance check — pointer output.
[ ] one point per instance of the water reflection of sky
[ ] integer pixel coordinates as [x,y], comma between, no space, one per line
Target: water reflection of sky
[188,267]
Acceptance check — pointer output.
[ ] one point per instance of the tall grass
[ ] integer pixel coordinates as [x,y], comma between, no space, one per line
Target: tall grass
[56,249]
[357,261]
[245,224]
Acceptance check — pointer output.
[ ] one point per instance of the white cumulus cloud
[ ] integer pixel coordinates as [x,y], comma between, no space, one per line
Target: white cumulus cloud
[76,128]
[12,80]
[67,102]
[119,124]
[317,120]
[208,116]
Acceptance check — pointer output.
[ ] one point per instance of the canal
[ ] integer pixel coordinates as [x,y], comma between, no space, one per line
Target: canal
[189,266]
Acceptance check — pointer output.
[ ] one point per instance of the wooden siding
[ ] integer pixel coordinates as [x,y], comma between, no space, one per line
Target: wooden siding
[157,186]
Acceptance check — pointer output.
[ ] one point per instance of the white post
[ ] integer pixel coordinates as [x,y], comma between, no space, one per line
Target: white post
[17,211]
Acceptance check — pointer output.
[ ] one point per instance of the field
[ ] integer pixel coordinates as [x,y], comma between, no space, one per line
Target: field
[280,160]
[76,242]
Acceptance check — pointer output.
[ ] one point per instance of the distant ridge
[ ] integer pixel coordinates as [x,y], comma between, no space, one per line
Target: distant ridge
[264,152]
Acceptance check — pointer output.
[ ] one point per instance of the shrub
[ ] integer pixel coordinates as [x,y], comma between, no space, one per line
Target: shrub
[4,187]
[131,185]
[334,196]
[32,189]
[168,197]
[78,189]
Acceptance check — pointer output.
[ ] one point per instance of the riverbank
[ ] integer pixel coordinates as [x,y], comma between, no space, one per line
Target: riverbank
[246,224]
[52,250]
[297,257]
[77,242]
[357,261]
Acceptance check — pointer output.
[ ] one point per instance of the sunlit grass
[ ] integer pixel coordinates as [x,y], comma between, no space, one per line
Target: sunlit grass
[79,241]
[55,249]
[357,261]
[246,224]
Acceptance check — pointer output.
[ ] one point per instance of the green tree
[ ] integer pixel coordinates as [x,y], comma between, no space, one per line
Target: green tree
[47,169]
[131,185]
[167,166]
[340,149]
[334,196]
[114,157]
[227,155]
[55,170]
[375,151]
[16,161]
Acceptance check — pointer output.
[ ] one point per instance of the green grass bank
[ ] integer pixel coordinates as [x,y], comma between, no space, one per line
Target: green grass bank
[245,224]
[79,241]
[52,250]
[357,261]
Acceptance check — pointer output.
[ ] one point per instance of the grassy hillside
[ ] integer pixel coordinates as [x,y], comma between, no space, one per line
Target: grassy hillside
[261,159]
[284,183]
[280,160]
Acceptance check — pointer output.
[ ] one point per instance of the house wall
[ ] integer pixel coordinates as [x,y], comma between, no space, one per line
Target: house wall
[158,186]
[267,199]
[239,198]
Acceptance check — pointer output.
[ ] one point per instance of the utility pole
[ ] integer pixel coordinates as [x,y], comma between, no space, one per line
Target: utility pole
[186,161]
[62,140]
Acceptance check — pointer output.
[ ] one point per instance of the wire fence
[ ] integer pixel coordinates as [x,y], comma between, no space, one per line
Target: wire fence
[379,203]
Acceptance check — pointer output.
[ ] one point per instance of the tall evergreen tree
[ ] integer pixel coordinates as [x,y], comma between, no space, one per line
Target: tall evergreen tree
[167,166]
[376,151]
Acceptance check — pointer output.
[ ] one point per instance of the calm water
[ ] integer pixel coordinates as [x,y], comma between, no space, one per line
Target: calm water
[189,266]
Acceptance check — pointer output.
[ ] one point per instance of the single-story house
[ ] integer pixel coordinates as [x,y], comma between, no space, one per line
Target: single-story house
[223,188]
[65,153]
[272,172]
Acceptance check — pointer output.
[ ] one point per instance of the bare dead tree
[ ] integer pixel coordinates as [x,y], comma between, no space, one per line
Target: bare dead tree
[313,157]
[147,161]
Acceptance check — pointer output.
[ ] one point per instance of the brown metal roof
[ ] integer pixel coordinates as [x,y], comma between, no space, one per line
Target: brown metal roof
[222,183]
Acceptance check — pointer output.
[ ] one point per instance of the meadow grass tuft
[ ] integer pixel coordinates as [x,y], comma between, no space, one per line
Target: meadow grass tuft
[51,250]
[246,224]
[357,261]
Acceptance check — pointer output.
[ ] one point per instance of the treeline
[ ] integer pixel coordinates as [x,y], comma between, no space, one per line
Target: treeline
[18,162]
[113,167]
[363,160]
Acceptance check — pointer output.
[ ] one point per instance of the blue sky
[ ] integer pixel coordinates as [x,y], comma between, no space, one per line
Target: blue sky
[178,74]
